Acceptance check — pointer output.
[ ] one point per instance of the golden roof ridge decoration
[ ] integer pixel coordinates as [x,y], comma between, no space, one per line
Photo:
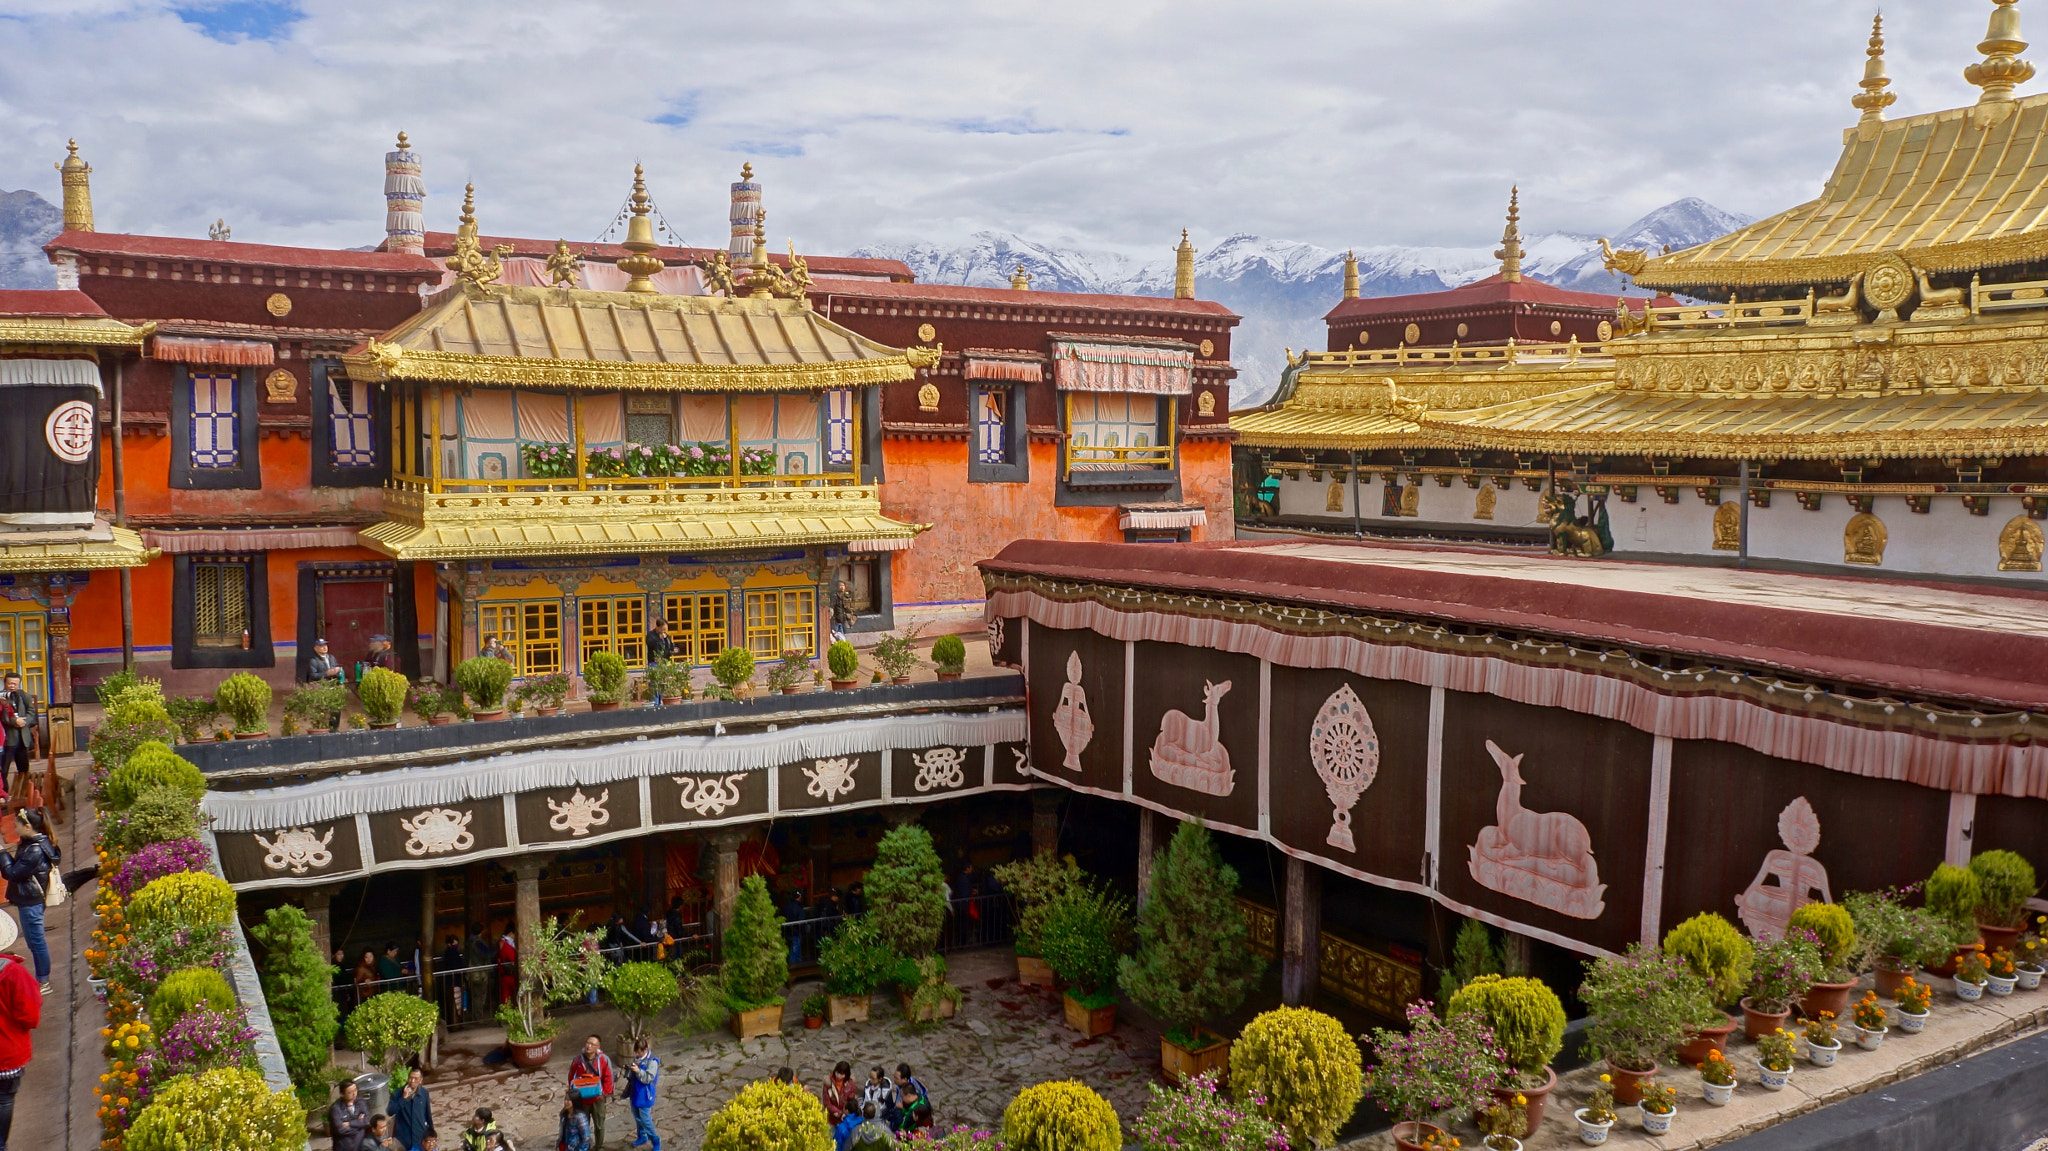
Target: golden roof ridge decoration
[1873,99]
[641,264]
[1510,253]
[74,331]
[39,552]
[468,261]
[2001,70]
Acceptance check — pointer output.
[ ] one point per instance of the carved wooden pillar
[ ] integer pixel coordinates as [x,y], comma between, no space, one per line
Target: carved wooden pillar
[315,903]
[1301,924]
[526,901]
[1045,821]
[1147,847]
[430,892]
[654,874]
[726,885]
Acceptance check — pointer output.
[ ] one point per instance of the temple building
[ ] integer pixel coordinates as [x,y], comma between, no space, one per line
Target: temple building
[1866,391]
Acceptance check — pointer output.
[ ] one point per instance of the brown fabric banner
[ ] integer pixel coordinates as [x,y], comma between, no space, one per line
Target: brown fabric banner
[1076,688]
[934,770]
[813,785]
[568,814]
[449,832]
[1350,764]
[1195,725]
[695,798]
[290,852]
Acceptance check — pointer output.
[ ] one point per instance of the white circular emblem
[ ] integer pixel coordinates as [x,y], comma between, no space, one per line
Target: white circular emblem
[70,431]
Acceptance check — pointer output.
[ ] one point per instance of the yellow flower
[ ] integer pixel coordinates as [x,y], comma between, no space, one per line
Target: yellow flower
[1519,1101]
[1607,1079]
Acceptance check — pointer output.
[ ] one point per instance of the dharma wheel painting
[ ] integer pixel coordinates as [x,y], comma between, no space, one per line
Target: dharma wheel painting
[1346,753]
[1539,857]
[1189,753]
[1789,878]
[1070,719]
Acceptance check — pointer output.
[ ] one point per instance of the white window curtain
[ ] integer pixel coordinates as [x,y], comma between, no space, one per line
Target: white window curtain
[353,430]
[216,432]
[1105,420]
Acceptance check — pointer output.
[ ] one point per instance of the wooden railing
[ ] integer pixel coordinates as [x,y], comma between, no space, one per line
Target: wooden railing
[622,483]
[2008,297]
[1088,457]
[1404,358]
[1733,314]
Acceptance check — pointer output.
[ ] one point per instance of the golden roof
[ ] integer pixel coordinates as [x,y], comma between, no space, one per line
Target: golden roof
[1605,420]
[571,338]
[78,552]
[76,331]
[1948,191]
[1314,428]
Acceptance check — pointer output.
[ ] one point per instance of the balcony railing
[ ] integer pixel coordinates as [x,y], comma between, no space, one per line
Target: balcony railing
[623,483]
[1144,457]
[1458,356]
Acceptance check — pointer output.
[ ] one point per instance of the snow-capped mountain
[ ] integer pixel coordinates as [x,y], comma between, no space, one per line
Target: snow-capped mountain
[27,222]
[1283,288]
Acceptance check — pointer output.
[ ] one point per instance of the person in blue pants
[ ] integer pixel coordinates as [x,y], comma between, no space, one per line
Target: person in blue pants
[642,1078]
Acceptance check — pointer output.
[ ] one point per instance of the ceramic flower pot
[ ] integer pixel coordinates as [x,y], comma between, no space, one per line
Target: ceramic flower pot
[813,1022]
[1822,1054]
[531,1054]
[1968,991]
[1717,1094]
[487,716]
[1698,1044]
[1910,1022]
[1590,1133]
[1757,1024]
[2029,976]
[1891,975]
[845,684]
[1410,1136]
[1868,1039]
[1501,1143]
[1832,998]
[1656,1122]
[1998,938]
[1534,1099]
[1628,1082]
[1772,1080]
[2000,985]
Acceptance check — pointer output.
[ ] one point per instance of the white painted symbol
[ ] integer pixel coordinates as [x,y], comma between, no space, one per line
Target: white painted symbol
[938,768]
[1346,752]
[1540,857]
[1070,720]
[1023,757]
[580,813]
[438,830]
[995,637]
[1188,752]
[69,431]
[1789,877]
[709,795]
[297,848]
[831,778]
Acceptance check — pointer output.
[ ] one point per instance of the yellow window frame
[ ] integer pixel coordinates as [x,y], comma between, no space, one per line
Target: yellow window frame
[25,650]
[782,619]
[696,622]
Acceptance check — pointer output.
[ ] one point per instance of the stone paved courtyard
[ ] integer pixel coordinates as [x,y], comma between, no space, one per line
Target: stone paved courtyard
[1006,1036]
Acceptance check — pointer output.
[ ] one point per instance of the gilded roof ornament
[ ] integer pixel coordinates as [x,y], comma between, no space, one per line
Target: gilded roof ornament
[1184,269]
[1350,275]
[2001,70]
[718,278]
[1873,100]
[1510,253]
[564,266]
[762,276]
[642,264]
[1020,280]
[77,191]
[468,261]
[1627,261]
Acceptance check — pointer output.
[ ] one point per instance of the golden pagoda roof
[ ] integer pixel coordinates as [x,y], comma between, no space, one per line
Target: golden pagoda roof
[1608,420]
[63,317]
[1322,428]
[1948,191]
[571,338]
[70,551]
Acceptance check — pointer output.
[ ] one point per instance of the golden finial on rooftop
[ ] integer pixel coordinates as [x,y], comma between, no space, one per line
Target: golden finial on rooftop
[2001,70]
[1510,254]
[77,191]
[642,263]
[1350,275]
[746,171]
[468,261]
[1184,269]
[402,145]
[760,280]
[1873,100]
[1020,280]
[466,223]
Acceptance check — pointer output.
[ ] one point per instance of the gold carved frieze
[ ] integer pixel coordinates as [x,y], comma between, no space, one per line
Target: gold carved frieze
[1835,366]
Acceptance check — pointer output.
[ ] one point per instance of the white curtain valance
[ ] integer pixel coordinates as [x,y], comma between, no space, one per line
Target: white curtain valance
[50,373]
[1081,367]
[1169,518]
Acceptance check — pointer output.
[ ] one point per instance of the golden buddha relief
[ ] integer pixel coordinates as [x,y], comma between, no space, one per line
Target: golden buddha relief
[1411,499]
[2019,545]
[1205,404]
[1482,503]
[1334,502]
[1728,528]
[1863,540]
[928,397]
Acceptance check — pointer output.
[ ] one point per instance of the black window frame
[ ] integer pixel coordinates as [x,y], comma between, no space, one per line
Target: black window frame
[326,474]
[247,474]
[185,653]
[1016,436]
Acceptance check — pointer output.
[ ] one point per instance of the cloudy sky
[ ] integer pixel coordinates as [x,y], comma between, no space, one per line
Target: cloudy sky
[1107,123]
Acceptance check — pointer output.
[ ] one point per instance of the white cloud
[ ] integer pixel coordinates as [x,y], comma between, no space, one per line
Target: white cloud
[1336,122]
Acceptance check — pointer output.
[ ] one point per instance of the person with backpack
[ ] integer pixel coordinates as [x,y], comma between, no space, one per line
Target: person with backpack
[21,1011]
[590,1084]
[642,1078]
[30,884]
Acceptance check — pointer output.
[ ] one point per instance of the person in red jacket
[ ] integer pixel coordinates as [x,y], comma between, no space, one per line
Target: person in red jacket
[21,1011]
[508,969]
[590,1063]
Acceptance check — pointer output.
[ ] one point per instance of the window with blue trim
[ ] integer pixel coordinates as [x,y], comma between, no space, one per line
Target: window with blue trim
[991,426]
[351,422]
[216,424]
[839,428]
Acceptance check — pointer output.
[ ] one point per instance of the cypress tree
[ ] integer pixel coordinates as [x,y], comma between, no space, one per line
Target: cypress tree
[297,983]
[1193,962]
[756,958]
[906,890]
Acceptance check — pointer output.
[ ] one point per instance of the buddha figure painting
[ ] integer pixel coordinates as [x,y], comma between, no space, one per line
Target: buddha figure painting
[1539,857]
[1070,720]
[1790,877]
[1189,753]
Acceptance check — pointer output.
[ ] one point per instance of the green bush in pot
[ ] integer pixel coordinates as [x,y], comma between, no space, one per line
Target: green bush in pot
[152,764]
[484,678]
[733,667]
[392,1028]
[1642,1004]
[843,660]
[949,654]
[906,891]
[1953,893]
[605,673]
[855,959]
[756,958]
[1193,963]
[1034,883]
[1717,953]
[382,692]
[246,697]
[1084,932]
[1888,933]
[1526,1017]
[1836,931]
[2005,881]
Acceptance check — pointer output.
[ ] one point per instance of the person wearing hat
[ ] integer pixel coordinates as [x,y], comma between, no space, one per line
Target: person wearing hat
[21,1011]
[322,667]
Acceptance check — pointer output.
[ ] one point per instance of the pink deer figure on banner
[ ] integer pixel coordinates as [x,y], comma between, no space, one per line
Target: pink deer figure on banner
[1541,857]
[1189,753]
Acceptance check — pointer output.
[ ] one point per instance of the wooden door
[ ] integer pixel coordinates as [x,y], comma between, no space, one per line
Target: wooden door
[351,611]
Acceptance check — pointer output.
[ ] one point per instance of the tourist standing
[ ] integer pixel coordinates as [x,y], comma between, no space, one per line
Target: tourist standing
[592,1069]
[660,645]
[389,970]
[28,873]
[842,610]
[412,1112]
[348,1119]
[645,1075]
[577,1127]
[482,1131]
[840,1093]
[21,734]
[508,966]
[21,1011]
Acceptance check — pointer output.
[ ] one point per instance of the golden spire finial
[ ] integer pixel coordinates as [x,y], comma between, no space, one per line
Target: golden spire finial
[77,191]
[642,263]
[1184,269]
[466,223]
[1350,275]
[1510,254]
[402,145]
[2001,70]
[746,171]
[468,261]
[1020,280]
[1873,100]
[761,279]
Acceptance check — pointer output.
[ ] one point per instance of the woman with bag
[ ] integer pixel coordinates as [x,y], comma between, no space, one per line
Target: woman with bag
[32,883]
[576,1128]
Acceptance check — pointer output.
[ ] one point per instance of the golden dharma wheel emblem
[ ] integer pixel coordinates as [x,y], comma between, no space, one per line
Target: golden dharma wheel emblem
[1413,334]
[1606,330]
[1208,348]
[1557,327]
[279,305]
[925,332]
[1888,283]
[1462,330]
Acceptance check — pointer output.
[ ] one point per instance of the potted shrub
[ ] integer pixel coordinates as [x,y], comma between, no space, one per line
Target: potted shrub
[1823,1039]
[557,965]
[392,1029]
[246,698]
[225,1107]
[1034,883]
[1193,963]
[1435,1072]
[906,892]
[382,693]
[1774,1051]
[1892,939]
[604,673]
[855,961]
[845,664]
[1717,1078]
[1527,1019]
[756,962]
[949,656]
[1952,894]
[733,667]
[1642,1004]
[1720,955]
[1194,1114]
[545,693]
[1913,1000]
[2032,955]
[1083,932]
[640,991]
[1265,1066]
[1973,973]
[1836,936]
[1658,1106]
[2005,881]
[1060,1116]
[190,714]
[439,706]
[1870,1022]
[1597,1117]
[922,986]
[317,706]
[1502,1124]
[1780,973]
[789,675]
[897,655]
[666,681]
[814,1011]
[484,679]
[2001,972]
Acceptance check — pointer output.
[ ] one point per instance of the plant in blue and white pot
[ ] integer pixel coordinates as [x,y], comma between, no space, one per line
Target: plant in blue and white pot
[1774,1059]
[1823,1040]
[1597,1117]
[1658,1105]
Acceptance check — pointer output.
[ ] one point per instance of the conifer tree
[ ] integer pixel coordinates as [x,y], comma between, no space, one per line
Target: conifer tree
[756,958]
[297,984]
[1193,962]
[906,891]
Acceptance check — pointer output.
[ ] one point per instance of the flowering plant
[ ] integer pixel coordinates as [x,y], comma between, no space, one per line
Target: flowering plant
[156,861]
[124,1088]
[605,462]
[705,459]
[548,461]
[1658,1097]
[1436,1067]
[1716,1069]
[203,1039]
[1820,1031]
[1600,1105]
[1503,1120]
[154,950]
[1913,996]
[1971,966]
[2001,963]
[1437,1139]
[1870,1014]
[1195,1114]
[959,1138]
[1783,969]
[1775,1050]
